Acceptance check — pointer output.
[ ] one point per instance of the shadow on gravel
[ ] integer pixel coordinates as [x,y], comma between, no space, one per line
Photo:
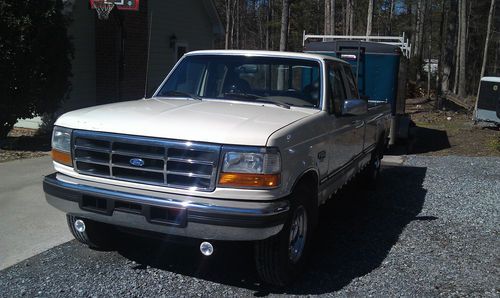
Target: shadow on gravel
[357,231]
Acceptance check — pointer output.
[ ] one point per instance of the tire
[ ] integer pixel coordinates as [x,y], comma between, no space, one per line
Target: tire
[97,235]
[371,173]
[275,262]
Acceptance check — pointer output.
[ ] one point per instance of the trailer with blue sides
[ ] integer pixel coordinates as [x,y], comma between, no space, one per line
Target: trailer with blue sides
[379,66]
[488,101]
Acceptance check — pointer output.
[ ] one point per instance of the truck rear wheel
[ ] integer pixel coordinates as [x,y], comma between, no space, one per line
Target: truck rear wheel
[94,234]
[371,173]
[281,258]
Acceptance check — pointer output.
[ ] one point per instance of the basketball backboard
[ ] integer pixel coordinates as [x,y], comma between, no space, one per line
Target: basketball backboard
[104,7]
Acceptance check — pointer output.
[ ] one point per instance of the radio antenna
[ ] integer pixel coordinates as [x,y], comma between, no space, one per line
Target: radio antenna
[149,51]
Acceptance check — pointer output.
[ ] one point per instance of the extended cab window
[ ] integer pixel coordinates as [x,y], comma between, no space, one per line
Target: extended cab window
[351,82]
[337,90]
[285,81]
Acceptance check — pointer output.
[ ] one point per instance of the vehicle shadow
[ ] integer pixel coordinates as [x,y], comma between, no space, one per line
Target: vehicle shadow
[357,230]
[422,140]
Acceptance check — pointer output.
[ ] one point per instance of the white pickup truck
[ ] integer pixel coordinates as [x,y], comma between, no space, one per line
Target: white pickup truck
[234,145]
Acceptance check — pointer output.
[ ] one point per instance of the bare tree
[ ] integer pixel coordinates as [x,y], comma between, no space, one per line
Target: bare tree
[462,20]
[419,36]
[332,17]
[448,47]
[391,15]
[369,18]
[328,19]
[487,41]
[457,50]
[228,16]
[349,17]
[284,24]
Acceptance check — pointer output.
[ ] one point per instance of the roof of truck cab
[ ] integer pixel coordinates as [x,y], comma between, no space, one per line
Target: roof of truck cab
[491,79]
[256,53]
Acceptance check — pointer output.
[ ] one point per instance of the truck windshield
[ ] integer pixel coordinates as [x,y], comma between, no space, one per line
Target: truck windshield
[281,81]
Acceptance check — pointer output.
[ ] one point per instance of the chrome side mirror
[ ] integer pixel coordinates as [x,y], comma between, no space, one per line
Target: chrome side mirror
[354,107]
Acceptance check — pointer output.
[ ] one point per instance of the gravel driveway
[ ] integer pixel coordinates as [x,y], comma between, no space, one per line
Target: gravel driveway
[431,229]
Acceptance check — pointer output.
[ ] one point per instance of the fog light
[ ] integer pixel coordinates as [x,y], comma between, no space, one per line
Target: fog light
[79,225]
[206,248]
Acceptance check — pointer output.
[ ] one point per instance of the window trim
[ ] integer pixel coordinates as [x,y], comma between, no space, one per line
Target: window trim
[329,96]
[321,64]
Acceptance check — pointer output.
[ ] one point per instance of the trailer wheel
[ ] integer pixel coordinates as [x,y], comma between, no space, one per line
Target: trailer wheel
[281,258]
[94,234]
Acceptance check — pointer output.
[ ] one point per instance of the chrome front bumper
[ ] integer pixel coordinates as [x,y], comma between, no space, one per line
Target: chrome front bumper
[157,212]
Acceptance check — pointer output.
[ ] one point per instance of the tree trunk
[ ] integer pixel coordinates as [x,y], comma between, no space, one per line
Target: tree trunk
[233,6]
[268,23]
[461,41]
[369,18]
[429,66]
[349,17]
[327,18]
[332,17]
[457,51]
[448,31]
[284,24]
[238,22]
[228,16]
[487,41]
[419,40]
[391,16]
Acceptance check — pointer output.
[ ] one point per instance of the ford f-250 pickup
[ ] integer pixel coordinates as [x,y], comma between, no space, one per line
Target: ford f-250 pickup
[234,145]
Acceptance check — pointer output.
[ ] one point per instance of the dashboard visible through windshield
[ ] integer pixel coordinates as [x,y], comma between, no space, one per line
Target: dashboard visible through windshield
[281,81]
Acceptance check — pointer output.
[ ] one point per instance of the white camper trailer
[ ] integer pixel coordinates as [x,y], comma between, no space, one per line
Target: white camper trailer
[488,101]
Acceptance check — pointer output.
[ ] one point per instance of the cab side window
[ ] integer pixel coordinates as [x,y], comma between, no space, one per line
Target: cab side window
[350,81]
[337,90]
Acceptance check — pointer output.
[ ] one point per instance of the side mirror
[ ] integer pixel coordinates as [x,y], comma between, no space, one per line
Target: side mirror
[354,107]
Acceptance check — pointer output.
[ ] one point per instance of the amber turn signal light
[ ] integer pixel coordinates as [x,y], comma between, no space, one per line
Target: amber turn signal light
[61,157]
[249,180]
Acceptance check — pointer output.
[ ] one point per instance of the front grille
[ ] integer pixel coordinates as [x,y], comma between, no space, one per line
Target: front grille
[177,164]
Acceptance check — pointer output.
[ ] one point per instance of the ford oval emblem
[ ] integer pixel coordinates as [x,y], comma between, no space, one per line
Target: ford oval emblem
[137,162]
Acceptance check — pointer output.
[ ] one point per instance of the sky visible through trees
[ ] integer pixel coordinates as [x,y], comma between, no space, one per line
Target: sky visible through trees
[433,27]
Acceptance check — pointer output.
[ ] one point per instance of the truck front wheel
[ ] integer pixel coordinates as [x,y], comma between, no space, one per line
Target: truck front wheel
[94,234]
[281,258]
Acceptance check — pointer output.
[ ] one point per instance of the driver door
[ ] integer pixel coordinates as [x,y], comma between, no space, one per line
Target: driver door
[343,141]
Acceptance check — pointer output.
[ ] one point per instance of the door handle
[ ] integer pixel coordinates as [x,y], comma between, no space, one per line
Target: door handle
[358,123]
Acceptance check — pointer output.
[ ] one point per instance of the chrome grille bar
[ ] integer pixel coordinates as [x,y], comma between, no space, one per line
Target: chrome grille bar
[171,163]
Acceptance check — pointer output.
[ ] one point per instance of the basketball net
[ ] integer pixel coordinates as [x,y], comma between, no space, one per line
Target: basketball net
[103,8]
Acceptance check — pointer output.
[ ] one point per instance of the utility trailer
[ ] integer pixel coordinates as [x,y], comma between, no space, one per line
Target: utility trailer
[488,101]
[380,66]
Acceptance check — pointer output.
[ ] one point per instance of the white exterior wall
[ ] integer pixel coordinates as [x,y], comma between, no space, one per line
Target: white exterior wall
[82,34]
[189,21]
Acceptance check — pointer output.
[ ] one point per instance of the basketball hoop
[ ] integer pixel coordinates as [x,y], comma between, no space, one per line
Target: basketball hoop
[103,8]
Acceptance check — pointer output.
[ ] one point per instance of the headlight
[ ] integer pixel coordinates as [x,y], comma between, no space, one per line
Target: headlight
[61,145]
[260,168]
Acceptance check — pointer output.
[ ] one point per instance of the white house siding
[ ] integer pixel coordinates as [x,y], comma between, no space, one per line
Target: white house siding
[81,31]
[189,21]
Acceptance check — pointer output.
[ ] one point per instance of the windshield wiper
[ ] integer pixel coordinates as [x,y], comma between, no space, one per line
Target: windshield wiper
[180,93]
[256,98]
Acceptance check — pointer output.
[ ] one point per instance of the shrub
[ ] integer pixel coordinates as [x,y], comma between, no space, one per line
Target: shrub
[35,59]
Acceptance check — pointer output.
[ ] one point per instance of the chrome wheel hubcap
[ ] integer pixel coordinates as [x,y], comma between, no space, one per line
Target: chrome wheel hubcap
[298,234]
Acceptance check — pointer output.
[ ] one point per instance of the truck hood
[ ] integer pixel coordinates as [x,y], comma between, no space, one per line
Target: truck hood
[204,121]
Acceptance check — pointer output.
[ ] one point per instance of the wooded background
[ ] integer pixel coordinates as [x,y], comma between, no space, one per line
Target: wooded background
[463,36]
